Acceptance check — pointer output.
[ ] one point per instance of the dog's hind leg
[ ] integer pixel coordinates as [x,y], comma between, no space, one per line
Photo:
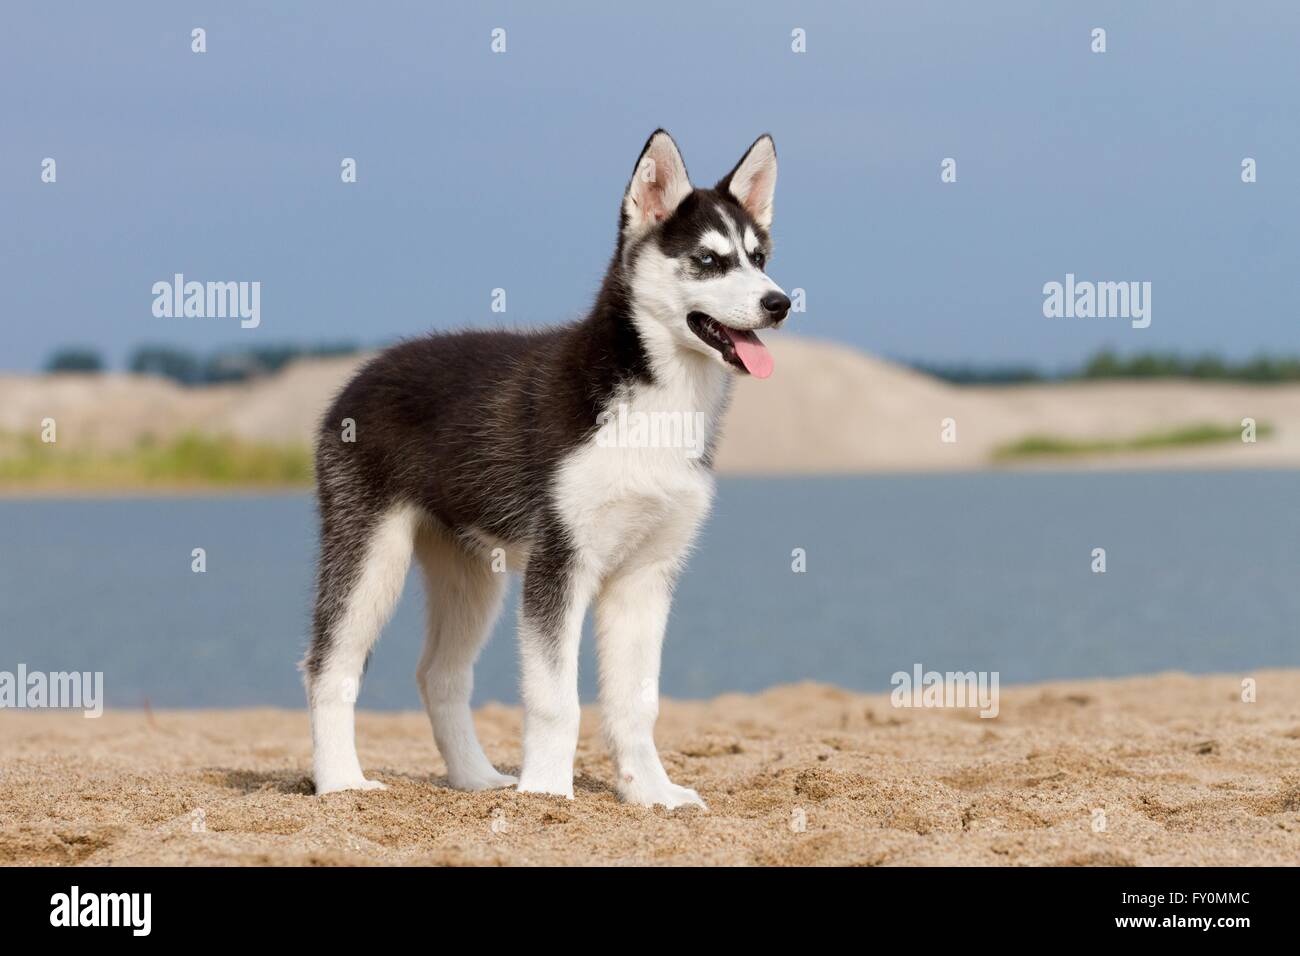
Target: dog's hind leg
[464,598]
[363,564]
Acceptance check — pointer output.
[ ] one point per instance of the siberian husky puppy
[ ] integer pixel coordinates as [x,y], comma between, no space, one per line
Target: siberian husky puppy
[481,452]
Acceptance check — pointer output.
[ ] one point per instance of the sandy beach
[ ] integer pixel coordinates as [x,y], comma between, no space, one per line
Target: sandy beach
[1168,769]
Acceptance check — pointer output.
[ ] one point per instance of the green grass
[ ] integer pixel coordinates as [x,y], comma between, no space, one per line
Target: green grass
[1039,446]
[190,461]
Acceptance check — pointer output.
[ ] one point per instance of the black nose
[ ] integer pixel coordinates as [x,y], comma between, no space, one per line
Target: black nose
[776,304]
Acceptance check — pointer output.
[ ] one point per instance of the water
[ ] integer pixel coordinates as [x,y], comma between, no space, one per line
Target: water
[956,572]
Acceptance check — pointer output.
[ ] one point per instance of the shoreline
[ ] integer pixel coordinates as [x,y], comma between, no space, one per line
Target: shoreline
[1081,465]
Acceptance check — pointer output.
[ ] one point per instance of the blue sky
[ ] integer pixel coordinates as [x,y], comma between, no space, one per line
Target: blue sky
[479,171]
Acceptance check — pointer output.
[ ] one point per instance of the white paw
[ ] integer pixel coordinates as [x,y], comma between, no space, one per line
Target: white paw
[664,794]
[539,783]
[481,780]
[361,783]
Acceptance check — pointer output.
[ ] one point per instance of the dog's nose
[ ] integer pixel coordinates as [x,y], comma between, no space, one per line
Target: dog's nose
[776,305]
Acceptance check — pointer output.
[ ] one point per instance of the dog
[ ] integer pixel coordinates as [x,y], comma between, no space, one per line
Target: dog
[479,452]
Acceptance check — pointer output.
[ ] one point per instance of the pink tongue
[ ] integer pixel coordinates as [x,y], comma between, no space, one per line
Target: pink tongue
[753,353]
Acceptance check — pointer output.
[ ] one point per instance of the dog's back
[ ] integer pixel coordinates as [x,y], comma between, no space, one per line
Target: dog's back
[442,423]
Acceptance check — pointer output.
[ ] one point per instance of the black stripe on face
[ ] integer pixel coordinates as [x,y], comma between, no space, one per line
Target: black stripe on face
[704,263]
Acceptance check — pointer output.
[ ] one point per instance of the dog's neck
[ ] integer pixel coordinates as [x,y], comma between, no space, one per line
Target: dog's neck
[630,356]
[646,349]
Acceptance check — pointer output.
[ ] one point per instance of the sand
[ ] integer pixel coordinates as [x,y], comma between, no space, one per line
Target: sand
[826,409]
[1178,769]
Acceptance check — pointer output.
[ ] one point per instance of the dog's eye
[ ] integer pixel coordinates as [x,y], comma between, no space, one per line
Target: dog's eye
[705,259]
[759,258]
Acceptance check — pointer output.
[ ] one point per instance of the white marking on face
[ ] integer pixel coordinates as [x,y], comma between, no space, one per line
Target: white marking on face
[751,240]
[717,243]
[732,229]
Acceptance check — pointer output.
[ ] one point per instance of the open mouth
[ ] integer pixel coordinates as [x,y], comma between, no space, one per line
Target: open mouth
[740,348]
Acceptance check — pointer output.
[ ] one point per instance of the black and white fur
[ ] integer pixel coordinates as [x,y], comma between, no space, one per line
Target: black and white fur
[465,443]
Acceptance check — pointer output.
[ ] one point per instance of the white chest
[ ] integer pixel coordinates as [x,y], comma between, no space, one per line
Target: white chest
[641,481]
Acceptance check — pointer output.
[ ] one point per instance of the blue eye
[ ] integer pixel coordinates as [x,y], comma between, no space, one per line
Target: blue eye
[704,260]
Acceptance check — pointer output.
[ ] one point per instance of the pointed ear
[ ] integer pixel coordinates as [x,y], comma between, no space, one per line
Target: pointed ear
[753,181]
[659,184]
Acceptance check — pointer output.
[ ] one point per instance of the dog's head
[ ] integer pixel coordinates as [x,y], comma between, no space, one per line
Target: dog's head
[695,260]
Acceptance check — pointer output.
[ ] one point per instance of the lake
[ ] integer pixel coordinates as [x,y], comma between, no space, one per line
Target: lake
[989,571]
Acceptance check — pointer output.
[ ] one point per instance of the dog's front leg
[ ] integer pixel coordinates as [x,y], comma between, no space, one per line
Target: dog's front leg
[631,616]
[555,598]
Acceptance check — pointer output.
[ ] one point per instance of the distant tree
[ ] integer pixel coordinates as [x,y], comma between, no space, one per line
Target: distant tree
[1262,369]
[175,364]
[1105,364]
[332,349]
[1288,369]
[241,364]
[1259,369]
[232,366]
[226,365]
[1208,366]
[979,374]
[1152,365]
[75,359]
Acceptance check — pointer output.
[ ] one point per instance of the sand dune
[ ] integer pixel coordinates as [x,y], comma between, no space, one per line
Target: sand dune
[826,409]
[1157,770]
[832,409]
